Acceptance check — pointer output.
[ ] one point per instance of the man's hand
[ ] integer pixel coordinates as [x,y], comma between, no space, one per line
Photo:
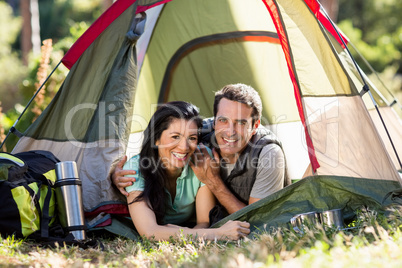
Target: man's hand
[206,168]
[118,178]
[207,171]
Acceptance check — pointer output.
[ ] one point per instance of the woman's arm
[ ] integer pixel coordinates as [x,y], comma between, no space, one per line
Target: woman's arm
[204,202]
[145,222]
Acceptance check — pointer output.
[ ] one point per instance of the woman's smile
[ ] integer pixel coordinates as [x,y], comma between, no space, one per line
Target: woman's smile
[180,156]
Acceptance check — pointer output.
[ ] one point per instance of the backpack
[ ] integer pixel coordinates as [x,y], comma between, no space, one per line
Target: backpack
[27,200]
[26,195]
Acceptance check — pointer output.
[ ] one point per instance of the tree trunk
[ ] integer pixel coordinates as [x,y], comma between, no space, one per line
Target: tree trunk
[30,33]
[106,4]
[35,26]
[26,32]
[331,7]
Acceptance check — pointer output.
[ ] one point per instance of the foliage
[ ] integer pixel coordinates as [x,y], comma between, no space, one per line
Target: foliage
[28,88]
[380,53]
[58,16]
[25,79]
[375,29]
[12,70]
[374,239]
[374,18]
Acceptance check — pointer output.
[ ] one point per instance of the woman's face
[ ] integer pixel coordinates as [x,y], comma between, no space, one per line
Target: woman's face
[177,143]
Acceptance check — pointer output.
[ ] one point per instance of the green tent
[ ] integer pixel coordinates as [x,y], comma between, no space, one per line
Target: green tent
[141,53]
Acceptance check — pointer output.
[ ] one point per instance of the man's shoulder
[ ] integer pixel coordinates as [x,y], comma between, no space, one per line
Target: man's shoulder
[271,150]
[270,146]
[262,142]
[264,135]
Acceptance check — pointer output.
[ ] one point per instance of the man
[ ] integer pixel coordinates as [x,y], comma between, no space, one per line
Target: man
[248,163]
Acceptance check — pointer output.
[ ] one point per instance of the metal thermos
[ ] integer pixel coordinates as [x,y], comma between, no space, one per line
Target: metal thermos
[68,191]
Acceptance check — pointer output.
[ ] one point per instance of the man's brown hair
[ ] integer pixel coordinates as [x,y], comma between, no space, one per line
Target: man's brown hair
[240,93]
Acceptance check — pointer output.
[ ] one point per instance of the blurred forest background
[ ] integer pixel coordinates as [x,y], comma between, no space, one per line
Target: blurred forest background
[35,34]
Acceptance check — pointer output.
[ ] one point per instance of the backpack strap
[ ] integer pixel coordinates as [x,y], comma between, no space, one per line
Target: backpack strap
[45,220]
[36,198]
[44,217]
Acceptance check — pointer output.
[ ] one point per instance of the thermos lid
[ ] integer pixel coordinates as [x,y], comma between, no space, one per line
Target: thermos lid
[66,170]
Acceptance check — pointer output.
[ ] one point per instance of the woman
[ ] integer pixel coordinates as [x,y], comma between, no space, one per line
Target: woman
[166,192]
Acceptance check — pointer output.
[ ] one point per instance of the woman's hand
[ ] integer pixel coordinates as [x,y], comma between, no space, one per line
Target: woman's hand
[234,230]
[119,179]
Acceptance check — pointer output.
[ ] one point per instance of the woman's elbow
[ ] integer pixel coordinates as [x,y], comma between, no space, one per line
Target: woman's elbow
[147,233]
[154,232]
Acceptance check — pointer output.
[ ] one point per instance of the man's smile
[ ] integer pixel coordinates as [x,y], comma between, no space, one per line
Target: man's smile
[230,140]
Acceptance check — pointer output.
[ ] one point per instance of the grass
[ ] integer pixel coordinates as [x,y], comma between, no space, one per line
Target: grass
[374,241]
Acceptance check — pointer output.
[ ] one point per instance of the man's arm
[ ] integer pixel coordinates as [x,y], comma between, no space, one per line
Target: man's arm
[225,196]
[118,176]
[270,173]
[207,171]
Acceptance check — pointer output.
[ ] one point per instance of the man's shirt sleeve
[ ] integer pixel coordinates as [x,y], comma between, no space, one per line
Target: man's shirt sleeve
[270,172]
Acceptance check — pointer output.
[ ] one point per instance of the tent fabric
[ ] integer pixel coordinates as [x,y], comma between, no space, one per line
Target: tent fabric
[196,19]
[283,37]
[144,5]
[101,24]
[165,43]
[334,31]
[86,121]
[317,193]
[297,70]
[383,100]
[188,73]
[394,127]
[347,154]
[319,73]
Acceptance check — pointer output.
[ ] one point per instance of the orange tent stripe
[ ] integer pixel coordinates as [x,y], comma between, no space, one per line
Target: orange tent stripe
[261,39]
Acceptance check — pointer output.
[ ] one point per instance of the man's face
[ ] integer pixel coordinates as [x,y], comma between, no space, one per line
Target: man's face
[233,128]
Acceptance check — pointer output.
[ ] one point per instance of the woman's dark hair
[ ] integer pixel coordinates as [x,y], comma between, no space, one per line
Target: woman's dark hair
[151,168]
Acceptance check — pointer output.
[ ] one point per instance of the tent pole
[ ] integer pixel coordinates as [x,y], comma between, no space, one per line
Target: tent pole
[395,101]
[13,129]
[365,86]
[386,130]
